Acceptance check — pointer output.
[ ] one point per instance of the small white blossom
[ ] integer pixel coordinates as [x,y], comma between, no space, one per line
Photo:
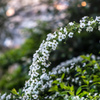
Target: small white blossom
[3,96]
[61,29]
[91,22]
[82,25]
[65,31]
[44,76]
[79,31]
[89,29]
[84,64]
[90,81]
[68,78]
[43,70]
[71,23]
[35,96]
[70,34]
[97,18]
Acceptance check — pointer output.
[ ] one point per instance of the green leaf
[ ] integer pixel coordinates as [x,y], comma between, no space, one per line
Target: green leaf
[62,85]
[79,69]
[63,75]
[86,81]
[63,93]
[92,90]
[71,93]
[54,88]
[83,76]
[84,86]
[85,57]
[14,91]
[96,83]
[20,91]
[55,82]
[72,88]
[84,71]
[83,93]
[78,90]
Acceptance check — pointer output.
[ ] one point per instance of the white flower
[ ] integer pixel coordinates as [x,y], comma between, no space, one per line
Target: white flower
[43,70]
[79,31]
[59,71]
[35,96]
[82,21]
[61,29]
[51,36]
[59,33]
[70,34]
[83,18]
[80,82]
[37,67]
[44,76]
[84,64]
[71,67]
[59,38]
[54,44]
[34,74]
[90,22]
[3,96]
[67,69]
[90,81]
[36,92]
[77,78]
[97,18]
[63,69]
[68,78]
[59,79]
[95,66]
[82,25]
[73,80]
[89,29]
[35,81]
[71,23]
[65,31]
[55,72]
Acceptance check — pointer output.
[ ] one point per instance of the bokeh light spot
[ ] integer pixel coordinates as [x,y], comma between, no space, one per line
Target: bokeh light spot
[83,4]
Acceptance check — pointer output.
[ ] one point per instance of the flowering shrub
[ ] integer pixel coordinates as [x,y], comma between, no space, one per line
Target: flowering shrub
[41,79]
[77,77]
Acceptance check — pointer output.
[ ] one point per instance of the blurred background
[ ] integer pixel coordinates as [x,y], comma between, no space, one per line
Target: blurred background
[25,23]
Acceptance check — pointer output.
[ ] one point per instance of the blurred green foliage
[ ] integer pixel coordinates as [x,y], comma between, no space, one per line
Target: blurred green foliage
[88,75]
[15,79]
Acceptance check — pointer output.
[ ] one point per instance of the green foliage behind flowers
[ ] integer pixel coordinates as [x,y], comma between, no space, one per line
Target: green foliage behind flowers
[10,80]
[85,83]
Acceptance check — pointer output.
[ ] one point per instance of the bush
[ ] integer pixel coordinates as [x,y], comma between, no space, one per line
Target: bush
[85,78]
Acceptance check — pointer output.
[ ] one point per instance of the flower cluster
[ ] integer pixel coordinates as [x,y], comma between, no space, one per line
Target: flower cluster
[40,64]
[68,67]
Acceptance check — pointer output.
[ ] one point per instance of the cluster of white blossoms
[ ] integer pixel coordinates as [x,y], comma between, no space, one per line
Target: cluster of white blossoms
[74,98]
[40,64]
[5,96]
[67,67]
